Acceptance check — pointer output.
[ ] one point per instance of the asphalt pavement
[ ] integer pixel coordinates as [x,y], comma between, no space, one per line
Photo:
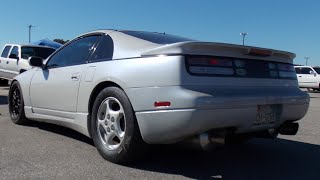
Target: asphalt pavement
[45,151]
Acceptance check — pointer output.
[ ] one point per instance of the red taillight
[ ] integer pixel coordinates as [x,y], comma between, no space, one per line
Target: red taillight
[162,104]
[213,61]
[210,65]
[239,67]
[209,61]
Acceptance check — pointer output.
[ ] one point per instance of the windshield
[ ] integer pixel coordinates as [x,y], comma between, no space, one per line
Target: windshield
[42,52]
[158,38]
[317,69]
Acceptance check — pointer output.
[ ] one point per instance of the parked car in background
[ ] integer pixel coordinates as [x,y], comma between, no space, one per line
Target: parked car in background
[308,77]
[126,89]
[14,58]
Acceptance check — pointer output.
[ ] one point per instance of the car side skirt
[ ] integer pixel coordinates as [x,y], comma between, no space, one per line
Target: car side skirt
[79,123]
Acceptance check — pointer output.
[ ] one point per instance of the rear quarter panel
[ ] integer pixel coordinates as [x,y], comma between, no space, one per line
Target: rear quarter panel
[132,73]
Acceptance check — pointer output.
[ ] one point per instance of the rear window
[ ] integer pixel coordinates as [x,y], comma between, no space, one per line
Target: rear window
[42,52]
[158,38]
[6,51]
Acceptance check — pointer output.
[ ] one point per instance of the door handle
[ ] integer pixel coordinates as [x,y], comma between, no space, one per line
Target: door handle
[300,76]
[7,62]
[75,76]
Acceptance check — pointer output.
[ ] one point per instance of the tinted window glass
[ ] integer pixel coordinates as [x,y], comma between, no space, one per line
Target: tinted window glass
[15,51]
[74,53]
[305,70]
[159,38]
[298,70]
[5,51]
[42,52]
[317,69]
[104,50]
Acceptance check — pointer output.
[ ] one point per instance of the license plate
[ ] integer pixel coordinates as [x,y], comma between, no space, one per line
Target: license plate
[266,114]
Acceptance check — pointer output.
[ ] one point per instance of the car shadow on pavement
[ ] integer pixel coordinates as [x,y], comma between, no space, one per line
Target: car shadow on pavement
[3,100]
[61,131]
[258,159]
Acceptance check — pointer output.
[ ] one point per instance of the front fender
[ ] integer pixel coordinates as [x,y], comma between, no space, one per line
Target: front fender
[24,80]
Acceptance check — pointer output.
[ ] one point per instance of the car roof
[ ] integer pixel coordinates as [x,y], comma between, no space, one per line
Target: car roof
[129,46]
[28,45]
[302,66]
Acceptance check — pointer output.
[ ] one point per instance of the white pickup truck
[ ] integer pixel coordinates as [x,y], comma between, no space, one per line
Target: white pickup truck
[14,59]
[308,77]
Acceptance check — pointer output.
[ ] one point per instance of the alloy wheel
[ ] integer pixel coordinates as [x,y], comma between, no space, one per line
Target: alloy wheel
[111,123]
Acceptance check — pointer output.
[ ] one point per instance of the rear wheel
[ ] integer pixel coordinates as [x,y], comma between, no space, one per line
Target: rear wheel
[115,131]
[16,104]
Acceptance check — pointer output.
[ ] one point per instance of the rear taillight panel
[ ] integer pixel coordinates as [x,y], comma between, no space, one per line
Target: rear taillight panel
[236,67]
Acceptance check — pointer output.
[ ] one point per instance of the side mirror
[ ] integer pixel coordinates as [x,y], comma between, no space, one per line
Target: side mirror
[13,56]
[311,72]
[36,61]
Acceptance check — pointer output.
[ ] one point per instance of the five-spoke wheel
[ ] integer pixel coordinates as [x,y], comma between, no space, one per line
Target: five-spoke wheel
[111,123]
[114,128]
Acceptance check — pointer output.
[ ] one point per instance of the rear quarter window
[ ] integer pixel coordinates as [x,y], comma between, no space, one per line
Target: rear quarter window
[104,50]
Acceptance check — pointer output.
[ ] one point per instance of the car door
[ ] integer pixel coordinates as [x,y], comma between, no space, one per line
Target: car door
[3,61]
[306,77]
[54,88]
[12,63]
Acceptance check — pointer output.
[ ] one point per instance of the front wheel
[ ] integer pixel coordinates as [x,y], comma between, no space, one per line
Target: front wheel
[114,128]
[16,104]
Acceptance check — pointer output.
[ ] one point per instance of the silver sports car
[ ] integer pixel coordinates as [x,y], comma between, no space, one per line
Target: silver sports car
[126,89]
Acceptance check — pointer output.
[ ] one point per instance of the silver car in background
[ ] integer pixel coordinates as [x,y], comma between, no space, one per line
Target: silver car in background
[126,89]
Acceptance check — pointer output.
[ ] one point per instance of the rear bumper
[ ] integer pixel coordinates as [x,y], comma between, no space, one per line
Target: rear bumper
[170,126]
[194,111]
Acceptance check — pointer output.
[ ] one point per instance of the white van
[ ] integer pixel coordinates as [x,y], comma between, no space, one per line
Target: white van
[308,77]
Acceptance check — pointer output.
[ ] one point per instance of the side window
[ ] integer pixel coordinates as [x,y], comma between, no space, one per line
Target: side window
[74,53]
[306,70]
[6,51]
[298,70]
[15,51]
[104,50]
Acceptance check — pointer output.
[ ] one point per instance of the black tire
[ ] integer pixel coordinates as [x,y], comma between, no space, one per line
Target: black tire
[16,104]
[131,145]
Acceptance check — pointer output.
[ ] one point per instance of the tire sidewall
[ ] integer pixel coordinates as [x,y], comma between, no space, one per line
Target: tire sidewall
[21,117]
[123,151]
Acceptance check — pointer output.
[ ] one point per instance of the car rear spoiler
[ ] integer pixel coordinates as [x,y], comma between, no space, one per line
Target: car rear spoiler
[221,49]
